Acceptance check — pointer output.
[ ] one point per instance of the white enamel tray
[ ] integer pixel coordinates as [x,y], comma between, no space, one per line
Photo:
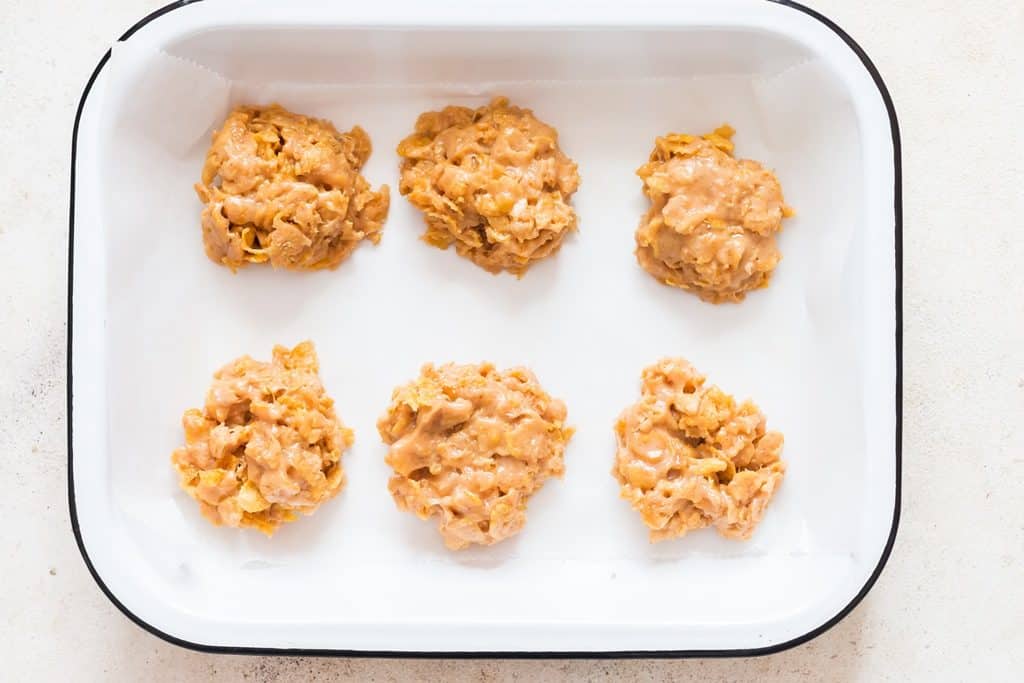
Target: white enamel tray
[150,318]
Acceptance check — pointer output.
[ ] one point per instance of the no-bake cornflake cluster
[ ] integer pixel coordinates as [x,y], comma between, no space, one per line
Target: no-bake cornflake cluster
[286,189]
[469,445]
[690,457]
[492,181]
[266,445]
[713,218]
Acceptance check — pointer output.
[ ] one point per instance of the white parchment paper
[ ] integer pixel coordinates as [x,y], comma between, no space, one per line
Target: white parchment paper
[586,322]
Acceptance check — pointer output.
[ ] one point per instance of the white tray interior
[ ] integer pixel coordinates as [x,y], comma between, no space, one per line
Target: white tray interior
[153,318]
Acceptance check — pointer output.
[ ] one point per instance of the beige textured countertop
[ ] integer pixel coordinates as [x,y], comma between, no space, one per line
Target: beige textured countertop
[949,606]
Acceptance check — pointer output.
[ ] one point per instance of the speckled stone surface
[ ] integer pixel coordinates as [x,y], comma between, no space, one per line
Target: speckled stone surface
[950,605]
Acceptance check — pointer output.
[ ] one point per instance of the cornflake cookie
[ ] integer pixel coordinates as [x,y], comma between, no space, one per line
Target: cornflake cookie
[713,218]
[689,457]
[493,182]
[469,445]
[285,188]
[266,445]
